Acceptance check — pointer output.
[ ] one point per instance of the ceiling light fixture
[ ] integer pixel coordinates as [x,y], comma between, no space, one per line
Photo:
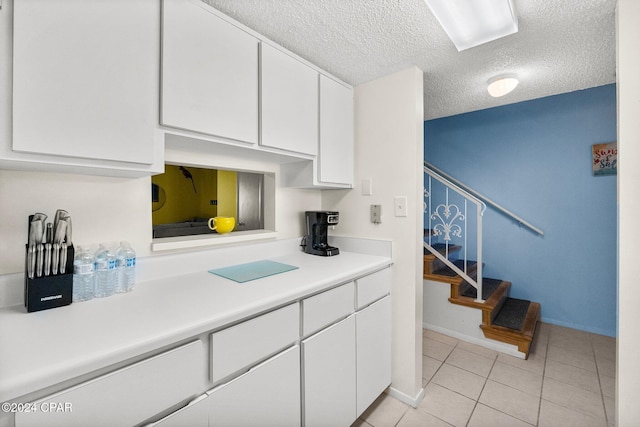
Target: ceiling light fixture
[502,85]
[470,23]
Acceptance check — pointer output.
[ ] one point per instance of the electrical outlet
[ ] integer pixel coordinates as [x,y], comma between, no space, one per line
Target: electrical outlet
[376,214]
[400,205]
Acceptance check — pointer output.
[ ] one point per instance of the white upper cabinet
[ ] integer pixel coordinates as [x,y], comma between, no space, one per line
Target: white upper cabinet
[335,159]
[85,83]
[289,103]
[209,73]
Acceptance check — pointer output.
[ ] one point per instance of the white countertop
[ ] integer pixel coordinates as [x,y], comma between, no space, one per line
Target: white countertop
[41,349]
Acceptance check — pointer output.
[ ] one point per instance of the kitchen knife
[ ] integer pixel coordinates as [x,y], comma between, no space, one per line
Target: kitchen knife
[54,258]
[39,259]
[39,217]
[47,259]
[31,250]
[63,258]
[36,234]
[58,241]
[48,235]
[67,237]
[60,214]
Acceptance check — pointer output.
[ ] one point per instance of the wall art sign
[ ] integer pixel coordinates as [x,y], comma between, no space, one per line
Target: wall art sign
[605,159]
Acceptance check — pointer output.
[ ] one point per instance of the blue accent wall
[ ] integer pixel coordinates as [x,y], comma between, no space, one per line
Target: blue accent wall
[534,158]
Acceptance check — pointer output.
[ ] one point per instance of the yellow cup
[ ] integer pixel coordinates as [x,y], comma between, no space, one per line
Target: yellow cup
[222,224]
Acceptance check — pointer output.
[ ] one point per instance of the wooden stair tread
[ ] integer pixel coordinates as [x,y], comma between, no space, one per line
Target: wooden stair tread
[512,314]
[522,337]
[495,295]
[491,303]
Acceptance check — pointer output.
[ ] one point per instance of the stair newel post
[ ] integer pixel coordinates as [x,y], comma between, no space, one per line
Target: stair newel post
[479,212]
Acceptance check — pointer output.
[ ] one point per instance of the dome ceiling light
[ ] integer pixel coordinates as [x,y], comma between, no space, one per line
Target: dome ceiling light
[501,85]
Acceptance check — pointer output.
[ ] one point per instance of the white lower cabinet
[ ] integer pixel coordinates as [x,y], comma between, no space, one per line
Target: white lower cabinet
[267,395]
[245,344]
[329,376]
[373,344]
[347,365]
[127,396]
[269,370]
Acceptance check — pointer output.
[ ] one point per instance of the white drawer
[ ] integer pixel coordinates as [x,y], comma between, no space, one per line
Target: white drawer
[323,309]
[242,345]
[127,396]
[373,287]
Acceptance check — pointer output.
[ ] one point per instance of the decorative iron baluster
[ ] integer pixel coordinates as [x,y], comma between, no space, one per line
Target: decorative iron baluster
[447,214]
[451,221]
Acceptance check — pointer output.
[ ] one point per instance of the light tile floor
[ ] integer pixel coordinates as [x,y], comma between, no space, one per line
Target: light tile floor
[568,380]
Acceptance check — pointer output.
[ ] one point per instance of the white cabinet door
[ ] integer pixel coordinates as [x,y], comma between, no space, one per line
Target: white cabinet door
[86,78]
[373,332]
[209,73]
[289,103]
[373,287]
[129,395]
[327,307]
[335,159]
[329,378]
[196,414]
[267,395]
[243,345]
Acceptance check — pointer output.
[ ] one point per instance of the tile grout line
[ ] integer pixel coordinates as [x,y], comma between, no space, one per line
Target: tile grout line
[442,362]
[550,334]
[544,368]
[604,406]
[402,416]
[483,387]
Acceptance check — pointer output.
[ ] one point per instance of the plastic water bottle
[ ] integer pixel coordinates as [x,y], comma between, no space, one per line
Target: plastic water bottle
[83,275]
[126,264]
[106,274]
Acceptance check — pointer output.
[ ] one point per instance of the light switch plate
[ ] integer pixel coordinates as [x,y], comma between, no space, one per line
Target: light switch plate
[367,187]
[400,205]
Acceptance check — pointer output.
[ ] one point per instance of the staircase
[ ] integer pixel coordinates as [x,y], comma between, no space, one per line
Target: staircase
[509,320]
[448,217]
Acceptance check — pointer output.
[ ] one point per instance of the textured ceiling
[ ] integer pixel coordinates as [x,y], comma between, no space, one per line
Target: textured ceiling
[561,46]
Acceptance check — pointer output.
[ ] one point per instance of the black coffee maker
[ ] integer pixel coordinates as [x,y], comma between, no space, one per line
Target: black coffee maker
[316,239]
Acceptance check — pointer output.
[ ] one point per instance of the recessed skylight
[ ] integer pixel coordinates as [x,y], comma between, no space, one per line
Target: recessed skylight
[470,23]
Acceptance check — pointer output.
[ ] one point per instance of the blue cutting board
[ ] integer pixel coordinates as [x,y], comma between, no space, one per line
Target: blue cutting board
[242,273]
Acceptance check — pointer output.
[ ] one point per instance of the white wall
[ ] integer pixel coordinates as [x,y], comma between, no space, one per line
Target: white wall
[389,151]
[628,375]
[102,210]
[111,209]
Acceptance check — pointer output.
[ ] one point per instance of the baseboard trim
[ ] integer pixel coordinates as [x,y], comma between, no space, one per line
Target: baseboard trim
[509,349]
[405,398]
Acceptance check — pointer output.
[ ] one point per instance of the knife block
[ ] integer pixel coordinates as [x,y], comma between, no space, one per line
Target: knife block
[42,293]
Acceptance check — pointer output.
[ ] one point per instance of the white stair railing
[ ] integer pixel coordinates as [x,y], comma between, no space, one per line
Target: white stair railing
[521,222]
[449,219]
